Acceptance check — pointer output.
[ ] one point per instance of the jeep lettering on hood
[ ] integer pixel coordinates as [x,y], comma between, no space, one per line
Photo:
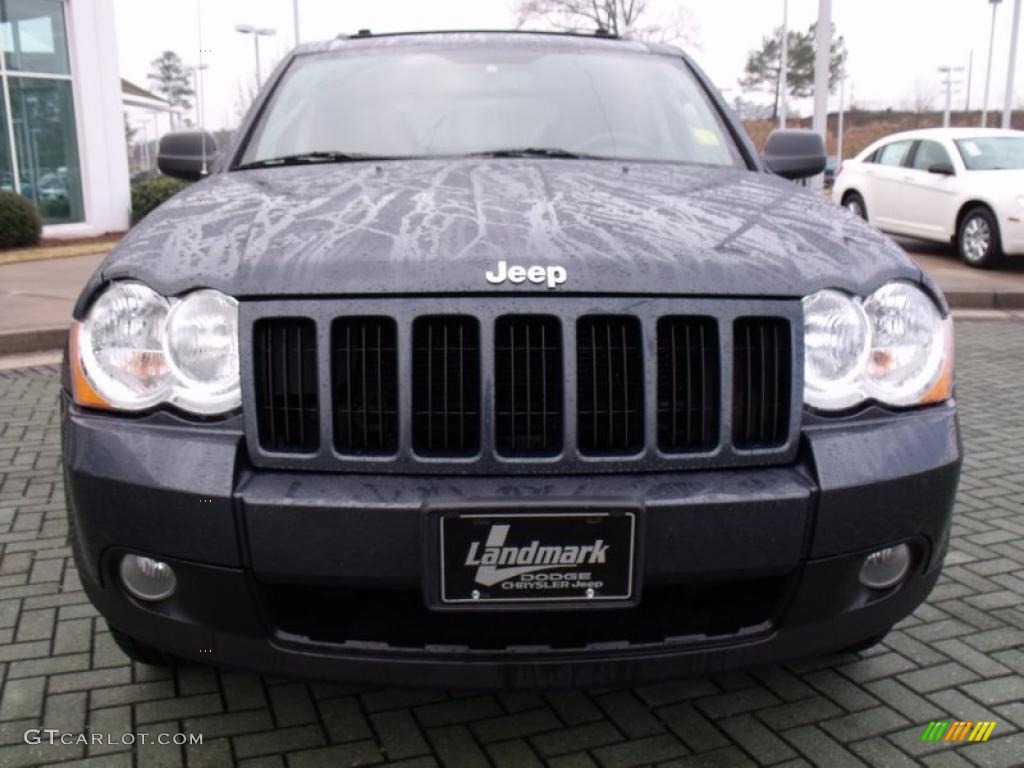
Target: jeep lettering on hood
[553,276]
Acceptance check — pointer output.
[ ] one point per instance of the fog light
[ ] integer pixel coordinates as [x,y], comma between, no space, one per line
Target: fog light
[146,578]
[886,567]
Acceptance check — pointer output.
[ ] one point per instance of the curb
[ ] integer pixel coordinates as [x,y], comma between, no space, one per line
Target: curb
[985,299]
[54,338]
[33,340]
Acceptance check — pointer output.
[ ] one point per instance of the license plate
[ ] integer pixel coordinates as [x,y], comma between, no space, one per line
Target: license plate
[537,557]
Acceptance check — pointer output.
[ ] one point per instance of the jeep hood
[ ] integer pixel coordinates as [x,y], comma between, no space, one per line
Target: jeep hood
[436,226]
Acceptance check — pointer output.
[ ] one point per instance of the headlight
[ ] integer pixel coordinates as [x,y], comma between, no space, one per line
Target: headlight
[202,347]
[136,349]
[835,350]
[121,346]
[893,347]
[908,345]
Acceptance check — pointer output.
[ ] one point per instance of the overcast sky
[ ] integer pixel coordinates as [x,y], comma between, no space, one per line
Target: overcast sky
[894,45]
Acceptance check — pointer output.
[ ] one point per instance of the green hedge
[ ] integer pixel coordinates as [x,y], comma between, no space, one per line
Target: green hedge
[19,221]
[148,194]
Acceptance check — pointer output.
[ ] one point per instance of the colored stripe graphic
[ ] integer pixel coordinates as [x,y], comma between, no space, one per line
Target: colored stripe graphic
[958,730]
[982,731]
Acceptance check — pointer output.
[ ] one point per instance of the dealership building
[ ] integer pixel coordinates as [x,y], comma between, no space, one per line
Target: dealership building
[62,135]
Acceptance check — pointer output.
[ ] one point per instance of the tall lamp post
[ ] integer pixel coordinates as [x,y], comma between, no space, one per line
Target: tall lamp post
[197,75]
[988,68]
[1014,32]
[948,82]
[839,123]
[257,33]
[822,58]
[784,64]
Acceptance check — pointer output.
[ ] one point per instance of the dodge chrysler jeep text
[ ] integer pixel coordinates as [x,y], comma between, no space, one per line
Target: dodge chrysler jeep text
[504,359]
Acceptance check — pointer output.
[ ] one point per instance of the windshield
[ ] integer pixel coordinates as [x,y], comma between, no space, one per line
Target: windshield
[996,153]
[470,100]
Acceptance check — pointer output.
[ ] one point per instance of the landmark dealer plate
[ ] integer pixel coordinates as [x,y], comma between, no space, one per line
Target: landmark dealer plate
[537,557]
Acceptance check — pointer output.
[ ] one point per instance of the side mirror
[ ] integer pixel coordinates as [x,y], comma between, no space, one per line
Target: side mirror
[943,169]
[794,154]
[182,153]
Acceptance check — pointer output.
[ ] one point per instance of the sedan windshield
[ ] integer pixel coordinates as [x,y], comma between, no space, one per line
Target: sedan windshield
[516,102]
[993,153]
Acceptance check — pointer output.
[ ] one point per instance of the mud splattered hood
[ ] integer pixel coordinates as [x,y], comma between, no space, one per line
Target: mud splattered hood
[436,226]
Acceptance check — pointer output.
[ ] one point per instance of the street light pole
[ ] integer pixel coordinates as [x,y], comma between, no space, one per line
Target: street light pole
[839,126]
[988,68]
[970,76]
[784,64]
[200,90]
[295,19]
[1008,101]
[948,72]
[257,33]
[197,74]
[822,57]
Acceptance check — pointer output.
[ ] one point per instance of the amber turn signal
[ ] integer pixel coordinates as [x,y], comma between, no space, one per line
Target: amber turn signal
[82,392]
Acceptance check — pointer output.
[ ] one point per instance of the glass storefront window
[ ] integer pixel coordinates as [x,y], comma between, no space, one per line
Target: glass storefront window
[43,118]
[33,37]
[35,85]
[6,169]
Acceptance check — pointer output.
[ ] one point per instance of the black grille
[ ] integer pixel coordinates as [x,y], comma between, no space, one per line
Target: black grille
[365,367]
[527,385]
[761,382]
[688,383]
[446,385]
[284,357]
[495,386]
[609,385]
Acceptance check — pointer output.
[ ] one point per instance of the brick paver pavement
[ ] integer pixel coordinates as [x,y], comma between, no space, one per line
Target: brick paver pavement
[961,656]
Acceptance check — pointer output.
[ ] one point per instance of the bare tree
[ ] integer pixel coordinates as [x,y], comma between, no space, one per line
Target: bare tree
[922,98]
[622,18]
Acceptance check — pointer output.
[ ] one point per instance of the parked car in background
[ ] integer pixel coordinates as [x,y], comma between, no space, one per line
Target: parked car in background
[960,185]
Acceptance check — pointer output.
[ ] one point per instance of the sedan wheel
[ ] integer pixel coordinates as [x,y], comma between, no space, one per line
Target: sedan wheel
[854,203]
[978,239]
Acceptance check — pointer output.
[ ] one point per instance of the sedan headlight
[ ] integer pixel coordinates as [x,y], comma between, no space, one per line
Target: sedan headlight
[136,349]
[894,347]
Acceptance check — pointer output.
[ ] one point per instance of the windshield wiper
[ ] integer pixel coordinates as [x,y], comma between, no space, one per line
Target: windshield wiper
[303,158]
[533,152]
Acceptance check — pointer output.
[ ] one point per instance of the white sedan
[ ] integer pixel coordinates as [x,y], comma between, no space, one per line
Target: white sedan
[952,185]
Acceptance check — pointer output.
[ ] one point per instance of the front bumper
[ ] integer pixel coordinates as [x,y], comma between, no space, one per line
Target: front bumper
[322,575]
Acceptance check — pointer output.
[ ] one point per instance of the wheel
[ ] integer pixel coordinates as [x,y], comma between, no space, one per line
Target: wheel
[854,203]
[977,238]
[141,652]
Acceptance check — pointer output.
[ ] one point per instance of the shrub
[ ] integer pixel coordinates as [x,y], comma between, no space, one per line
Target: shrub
[148,194]
[19,221]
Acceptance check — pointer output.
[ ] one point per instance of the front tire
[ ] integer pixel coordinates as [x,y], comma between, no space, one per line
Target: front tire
[854,203]
[977,239]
